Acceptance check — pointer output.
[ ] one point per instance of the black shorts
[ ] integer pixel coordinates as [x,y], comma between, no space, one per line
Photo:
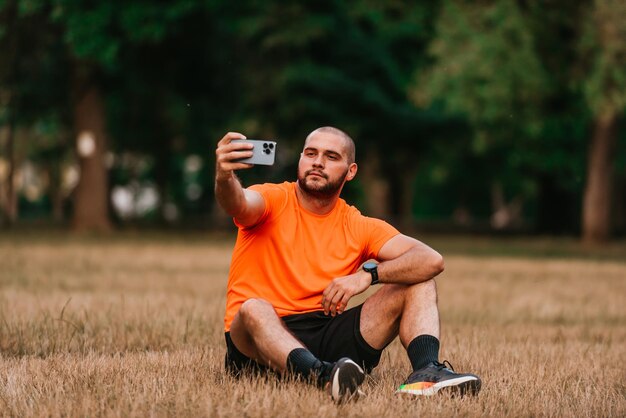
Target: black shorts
[328,338]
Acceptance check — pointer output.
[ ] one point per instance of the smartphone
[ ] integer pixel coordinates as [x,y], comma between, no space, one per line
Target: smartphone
[263,152]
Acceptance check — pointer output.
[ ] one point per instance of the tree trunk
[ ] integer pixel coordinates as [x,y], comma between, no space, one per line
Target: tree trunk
[596,217]
[91,209]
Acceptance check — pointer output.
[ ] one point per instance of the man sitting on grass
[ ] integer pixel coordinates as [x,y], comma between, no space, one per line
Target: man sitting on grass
[301,254]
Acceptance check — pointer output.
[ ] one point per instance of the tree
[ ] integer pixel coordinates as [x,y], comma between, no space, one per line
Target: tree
[485,69]
[175,98]
[95,34]
[161,74]
[520,72]
[91,196]
[604,53]
[32,89]
[9,35]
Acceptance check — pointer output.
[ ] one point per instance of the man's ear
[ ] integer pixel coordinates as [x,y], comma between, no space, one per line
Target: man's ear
[352,171]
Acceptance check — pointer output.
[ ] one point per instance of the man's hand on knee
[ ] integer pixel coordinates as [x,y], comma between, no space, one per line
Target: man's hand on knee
[339,292]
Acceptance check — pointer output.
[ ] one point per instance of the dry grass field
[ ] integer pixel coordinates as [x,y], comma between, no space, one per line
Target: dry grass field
[133,327]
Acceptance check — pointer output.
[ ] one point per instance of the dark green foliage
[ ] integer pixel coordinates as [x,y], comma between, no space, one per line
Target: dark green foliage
[455,98]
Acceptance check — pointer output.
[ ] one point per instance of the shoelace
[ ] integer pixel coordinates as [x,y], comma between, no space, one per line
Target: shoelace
[439,366]
[445,365]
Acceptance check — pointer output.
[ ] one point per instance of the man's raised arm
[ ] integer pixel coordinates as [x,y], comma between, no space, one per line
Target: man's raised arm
[246,206]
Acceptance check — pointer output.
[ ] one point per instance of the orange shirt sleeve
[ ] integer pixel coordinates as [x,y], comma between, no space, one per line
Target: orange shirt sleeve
[374,233]
[380,233]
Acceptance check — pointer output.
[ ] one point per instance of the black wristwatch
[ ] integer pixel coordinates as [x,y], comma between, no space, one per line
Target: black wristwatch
[372,268]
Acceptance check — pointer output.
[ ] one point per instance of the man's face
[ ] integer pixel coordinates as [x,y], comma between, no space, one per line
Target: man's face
[324,166]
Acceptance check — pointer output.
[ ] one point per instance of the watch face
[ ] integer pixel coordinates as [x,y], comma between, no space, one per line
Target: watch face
[369,265]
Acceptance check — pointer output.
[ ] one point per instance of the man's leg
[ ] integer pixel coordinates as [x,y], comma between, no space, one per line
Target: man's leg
[407,311]
[258,333]
[412,313]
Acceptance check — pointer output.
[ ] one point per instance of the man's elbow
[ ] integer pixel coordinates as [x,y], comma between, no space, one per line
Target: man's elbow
[436,264]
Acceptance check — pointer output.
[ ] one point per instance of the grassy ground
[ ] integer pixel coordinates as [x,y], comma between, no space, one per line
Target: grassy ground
[132,326]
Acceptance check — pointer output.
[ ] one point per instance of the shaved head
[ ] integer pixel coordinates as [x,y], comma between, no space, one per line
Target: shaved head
[348,142]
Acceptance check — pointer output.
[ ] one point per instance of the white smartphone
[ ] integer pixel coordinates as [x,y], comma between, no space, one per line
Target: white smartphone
[263,152]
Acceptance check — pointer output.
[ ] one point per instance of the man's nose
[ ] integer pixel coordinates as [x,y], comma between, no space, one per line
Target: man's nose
[319,161]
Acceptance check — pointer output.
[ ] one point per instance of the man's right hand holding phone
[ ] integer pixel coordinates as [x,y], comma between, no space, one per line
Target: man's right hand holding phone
[246,206]
[226,154]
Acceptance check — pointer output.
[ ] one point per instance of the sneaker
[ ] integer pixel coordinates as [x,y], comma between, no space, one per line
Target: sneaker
[436,376]
[345,378]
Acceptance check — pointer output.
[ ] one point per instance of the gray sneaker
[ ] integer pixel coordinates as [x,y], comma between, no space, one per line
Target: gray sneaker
[345,378]
[436,376]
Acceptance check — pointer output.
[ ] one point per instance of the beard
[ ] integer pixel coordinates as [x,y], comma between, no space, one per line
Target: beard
[321,191]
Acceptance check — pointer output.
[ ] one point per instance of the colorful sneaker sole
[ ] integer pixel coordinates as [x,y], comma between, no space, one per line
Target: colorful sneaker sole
[461,385]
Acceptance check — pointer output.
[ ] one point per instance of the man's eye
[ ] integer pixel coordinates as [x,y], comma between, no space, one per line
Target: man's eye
[332,157]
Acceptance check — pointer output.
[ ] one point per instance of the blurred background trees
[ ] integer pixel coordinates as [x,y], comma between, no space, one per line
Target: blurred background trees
[472,116]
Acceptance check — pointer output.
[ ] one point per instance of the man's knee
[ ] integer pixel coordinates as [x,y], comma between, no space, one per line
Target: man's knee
[254,309]
[424,291]
[419,292]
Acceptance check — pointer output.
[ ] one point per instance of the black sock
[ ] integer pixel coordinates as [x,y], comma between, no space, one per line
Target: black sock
[303,363]
[424,349]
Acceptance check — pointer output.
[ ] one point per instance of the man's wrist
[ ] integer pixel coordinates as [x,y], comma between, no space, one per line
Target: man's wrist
[366,278]
[224,176]
[372,269]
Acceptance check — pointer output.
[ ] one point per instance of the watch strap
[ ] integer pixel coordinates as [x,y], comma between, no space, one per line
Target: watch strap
[374,272]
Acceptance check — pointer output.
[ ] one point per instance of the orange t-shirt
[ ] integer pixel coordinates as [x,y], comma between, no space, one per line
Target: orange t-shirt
[290,255]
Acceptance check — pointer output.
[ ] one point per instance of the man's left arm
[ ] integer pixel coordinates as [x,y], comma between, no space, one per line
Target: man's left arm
[403,260]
